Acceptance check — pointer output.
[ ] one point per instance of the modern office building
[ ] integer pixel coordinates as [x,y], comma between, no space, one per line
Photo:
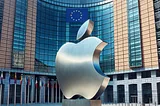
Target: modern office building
[32,31]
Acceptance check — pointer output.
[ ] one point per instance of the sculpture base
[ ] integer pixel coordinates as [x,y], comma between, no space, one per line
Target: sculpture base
[80,102]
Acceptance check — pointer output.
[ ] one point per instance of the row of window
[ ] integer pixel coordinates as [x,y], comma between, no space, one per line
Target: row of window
[144,74]
[121,93]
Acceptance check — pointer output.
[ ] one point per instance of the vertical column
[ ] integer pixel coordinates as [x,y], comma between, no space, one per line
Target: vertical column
[7,33]
[30,35]
[56,92]
[121,35]
[154,87]
[126,88]
[32,88]
[134,34]
[28,88]
[42,90]
[21,89]
[115,88]
[157,21]
[6,90]
[48,90]
[15,89]
[148,34]
[59,94]
[52,91]
[1,85]
[36,89]
[24,89]
[18,46]
[139,89]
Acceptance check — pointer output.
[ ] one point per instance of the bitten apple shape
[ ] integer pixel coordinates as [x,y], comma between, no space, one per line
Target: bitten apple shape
[77,66]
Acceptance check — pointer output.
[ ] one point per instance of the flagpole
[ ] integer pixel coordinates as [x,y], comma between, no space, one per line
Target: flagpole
[8,90]
[56,92]
[1,88]
[25,90]
[15,89]
[52,90]
[40,90]
[28,90]
[21,90]
[59,94]
[32,94]
[36,89]
[48,90]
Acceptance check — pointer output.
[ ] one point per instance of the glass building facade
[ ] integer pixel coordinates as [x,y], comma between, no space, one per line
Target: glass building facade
[157,20]
[19,34]
[52,31]
[134,35]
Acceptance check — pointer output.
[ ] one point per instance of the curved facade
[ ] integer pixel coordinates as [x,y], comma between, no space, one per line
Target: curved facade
[32,31]
[52,31]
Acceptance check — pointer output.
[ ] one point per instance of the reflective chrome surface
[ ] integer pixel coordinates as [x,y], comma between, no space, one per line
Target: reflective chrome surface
[85,30]
[77,67]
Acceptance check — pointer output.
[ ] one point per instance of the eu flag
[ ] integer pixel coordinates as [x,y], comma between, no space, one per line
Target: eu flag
[76,14]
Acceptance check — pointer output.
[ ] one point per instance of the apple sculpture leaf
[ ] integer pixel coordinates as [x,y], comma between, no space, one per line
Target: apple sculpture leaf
[77,65]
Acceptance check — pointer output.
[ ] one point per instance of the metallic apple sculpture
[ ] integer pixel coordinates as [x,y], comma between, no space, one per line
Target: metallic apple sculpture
[77,65]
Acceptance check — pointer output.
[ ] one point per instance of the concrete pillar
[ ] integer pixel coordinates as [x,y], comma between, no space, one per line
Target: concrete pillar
[114,89]
[6,86]
[32,89]
[126,88]
[52,91]
[59,95]
[42,89]
[139,88]
[154,87]
[23,88]
[56,93]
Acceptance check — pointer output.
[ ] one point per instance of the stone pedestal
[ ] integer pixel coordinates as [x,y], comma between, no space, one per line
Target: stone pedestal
[80,102]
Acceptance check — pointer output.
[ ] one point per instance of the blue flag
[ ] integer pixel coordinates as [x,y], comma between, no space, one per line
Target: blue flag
[76,14]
